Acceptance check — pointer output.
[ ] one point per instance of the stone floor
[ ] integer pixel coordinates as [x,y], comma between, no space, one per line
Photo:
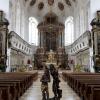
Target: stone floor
[34,92]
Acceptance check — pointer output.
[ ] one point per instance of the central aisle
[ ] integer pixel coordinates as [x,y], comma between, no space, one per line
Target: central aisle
[34,92]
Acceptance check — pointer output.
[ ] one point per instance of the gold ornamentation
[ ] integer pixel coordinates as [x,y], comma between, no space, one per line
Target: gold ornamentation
[51,56]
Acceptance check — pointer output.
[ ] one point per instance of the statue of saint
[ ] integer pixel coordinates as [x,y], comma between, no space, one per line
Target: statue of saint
[51,56]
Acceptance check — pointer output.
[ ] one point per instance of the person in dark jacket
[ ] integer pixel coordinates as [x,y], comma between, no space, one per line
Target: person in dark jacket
[55,87]
[44,85]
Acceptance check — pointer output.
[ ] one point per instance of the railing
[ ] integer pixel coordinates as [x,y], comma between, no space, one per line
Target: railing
[82,43]
[20,68]
[16,42]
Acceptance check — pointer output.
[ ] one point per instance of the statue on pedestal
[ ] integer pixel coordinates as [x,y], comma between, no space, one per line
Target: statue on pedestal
[51,56]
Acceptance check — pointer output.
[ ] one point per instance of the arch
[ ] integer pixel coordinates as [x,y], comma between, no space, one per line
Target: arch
[33,31]
[69,30]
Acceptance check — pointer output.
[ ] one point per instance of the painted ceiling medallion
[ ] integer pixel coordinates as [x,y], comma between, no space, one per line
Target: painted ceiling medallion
[68,2]
[41,5]
[50,2]
[32,2]
[61,6]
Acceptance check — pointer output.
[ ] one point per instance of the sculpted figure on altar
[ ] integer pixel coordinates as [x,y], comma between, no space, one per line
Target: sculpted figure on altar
[51,57]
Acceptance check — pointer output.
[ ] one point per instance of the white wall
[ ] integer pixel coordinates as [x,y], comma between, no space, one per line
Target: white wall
[81,14]
[4,5]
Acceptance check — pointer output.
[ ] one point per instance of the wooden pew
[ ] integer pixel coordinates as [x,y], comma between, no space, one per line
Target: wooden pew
[86,85]
[16,84]
[5,92]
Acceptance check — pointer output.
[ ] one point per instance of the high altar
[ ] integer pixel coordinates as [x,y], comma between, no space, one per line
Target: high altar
[51,42]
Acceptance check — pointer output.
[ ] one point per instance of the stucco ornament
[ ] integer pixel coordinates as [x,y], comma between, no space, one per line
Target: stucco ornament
[50,2]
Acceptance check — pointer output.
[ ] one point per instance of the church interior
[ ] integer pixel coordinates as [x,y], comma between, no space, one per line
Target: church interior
[49,50]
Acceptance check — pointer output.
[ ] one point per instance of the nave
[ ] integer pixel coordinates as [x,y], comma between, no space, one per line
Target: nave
[35,34]
[34,92]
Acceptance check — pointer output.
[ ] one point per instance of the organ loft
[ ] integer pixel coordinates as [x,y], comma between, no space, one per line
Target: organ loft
[51,42]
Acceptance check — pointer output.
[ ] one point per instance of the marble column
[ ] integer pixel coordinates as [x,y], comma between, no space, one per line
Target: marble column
[60,39]
[63,39]
[39,34]
[41,38]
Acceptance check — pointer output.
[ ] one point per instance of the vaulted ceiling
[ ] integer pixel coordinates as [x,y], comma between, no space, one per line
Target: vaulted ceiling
[39,8]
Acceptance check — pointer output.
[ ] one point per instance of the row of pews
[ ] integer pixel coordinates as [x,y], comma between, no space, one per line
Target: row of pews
[86,85]
[14,85]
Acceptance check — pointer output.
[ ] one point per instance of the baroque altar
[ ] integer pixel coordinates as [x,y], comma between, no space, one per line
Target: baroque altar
[51,42]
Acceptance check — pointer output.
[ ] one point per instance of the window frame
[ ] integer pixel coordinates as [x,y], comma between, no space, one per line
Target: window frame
[33,31]
[69,23]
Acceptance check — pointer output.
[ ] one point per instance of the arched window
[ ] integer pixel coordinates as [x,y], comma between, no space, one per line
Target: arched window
[33,31]
[69,31]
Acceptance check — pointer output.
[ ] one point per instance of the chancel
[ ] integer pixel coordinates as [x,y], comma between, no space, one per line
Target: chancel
[51,44]
[50,49]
